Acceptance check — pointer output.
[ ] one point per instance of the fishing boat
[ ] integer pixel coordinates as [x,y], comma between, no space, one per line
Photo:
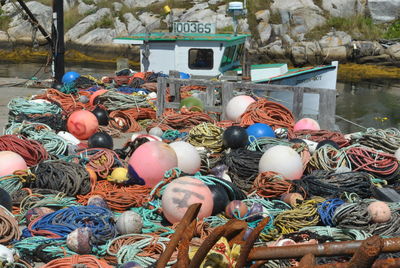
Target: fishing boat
[195,50]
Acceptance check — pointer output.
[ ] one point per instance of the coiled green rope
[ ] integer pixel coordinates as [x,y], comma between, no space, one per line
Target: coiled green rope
[21,105]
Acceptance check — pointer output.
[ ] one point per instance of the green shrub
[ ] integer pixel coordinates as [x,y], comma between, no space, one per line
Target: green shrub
[358,26]
[4,21]
[393,32]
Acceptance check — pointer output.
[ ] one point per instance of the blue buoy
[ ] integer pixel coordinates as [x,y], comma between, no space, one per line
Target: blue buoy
[184,75]
[69,77]
[260,130]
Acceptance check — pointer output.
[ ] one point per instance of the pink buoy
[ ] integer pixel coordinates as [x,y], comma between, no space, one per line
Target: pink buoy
[11,162]
[183,192]
[150,161]
[283,160]
[379,212]
[82,124]
[237,106]
[79,240]
[306,123]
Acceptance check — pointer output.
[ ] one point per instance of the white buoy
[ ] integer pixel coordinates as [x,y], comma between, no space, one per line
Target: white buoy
[283,160]
[188,157]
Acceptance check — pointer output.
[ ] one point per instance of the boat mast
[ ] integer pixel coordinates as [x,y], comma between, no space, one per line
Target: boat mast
[58,48]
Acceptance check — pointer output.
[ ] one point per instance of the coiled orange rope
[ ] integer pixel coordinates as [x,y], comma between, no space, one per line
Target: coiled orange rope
[268,112]
[185,119]
[118,198]
[272,185]
[124,121]
[88,261]
[68,102]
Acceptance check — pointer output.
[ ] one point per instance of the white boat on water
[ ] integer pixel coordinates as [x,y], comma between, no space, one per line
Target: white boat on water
[194,48]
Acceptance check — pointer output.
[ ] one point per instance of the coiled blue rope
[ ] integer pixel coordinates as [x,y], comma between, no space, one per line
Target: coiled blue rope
[64,221]
[327,209]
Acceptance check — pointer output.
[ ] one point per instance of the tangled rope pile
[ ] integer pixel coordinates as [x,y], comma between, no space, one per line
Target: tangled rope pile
[118,198]
[272,185]
[114,101]
[329,184]
[62,222]
[268,112]
[53,143]
[206,135]
[9,229]
[320,135]
[387,140]
[68,178]
[88,261]
[32,151]
[67,102]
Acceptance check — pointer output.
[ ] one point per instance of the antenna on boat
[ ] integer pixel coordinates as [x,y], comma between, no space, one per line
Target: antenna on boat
[236,9]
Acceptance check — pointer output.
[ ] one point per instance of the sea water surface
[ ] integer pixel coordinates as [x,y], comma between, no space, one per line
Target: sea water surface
[370,103]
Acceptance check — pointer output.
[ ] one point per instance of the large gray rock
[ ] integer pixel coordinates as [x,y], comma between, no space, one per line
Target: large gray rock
[191,12]
[3,36]
[134,26]
[117,6]
[335,39]
[384,10]
[83,8]
[264,29]
[394,51]
[138,3]
[334,53]
[306,53]
[22,29]
[366,48]
[244,26]
[263,15]
[275,50]
[85,24]
[343,8]
[203,15]
[120,27]
[293,5]
[309,18]
[150,21]
[97,37]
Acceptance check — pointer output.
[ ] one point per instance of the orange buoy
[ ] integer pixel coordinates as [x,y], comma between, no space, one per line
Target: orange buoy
[82,124]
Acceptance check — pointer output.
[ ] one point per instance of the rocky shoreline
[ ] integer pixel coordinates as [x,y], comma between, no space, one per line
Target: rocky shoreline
[278,28]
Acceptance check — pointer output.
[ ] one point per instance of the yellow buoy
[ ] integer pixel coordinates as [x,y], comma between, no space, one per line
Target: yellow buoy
[118,175]
[167,9]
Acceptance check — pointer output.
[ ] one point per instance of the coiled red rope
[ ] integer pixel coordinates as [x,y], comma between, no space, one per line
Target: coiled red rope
[320,135]
[67,102]
[370,160]
[32,151]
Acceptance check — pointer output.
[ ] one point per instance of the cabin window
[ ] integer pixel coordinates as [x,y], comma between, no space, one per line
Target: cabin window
[201,58]
[239,52]
[227,58]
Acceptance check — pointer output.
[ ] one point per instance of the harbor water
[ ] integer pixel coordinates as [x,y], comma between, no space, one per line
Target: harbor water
[370,103]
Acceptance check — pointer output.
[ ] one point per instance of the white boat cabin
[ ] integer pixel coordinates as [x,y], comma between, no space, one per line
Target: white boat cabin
[196,54]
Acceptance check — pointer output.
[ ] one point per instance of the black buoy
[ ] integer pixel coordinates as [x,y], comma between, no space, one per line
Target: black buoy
[220,197]
[101,115]
[5,199]
[235,137]
[101,140]
[329,143]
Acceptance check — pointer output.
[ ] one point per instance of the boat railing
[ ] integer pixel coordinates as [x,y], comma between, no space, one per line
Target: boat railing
[227,90]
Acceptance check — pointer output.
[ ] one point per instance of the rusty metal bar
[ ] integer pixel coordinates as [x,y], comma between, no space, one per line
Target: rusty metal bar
[320,250]
[367,253]
[190,215]
[308,261]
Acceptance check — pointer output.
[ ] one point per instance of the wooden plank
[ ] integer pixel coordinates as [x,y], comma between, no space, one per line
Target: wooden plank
[227,94]
[161,90]
[327,109]
[298,98]
[210,96]
[173,87]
